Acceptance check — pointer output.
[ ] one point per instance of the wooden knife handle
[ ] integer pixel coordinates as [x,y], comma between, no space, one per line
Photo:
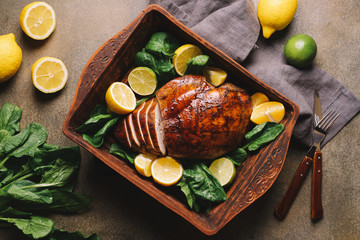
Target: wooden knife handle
[284,205]
[316,204]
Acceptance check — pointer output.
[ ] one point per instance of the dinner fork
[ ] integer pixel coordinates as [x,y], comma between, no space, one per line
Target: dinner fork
[319,134]
[284,205]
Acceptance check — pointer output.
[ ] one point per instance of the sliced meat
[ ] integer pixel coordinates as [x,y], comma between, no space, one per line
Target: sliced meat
[154,125]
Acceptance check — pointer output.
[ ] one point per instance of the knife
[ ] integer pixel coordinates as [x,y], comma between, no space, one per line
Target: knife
[284,205]
[316,203]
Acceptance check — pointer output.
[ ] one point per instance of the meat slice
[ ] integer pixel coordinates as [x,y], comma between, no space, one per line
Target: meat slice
[151,125]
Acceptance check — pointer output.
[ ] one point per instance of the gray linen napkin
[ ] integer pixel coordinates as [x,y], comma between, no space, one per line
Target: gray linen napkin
[232,26]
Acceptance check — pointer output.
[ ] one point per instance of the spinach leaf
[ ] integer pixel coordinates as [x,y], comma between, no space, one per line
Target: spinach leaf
[11,212]
[59,175]
[98,138]
[28,192]
[162,44]
[166,71]
[196,65]
[122,152]
[23,143]
[60,234]
[262,134]
[237,156]
[145,59]
[96,127]
[201,188]
[10,116]
[35,227]
[99,116]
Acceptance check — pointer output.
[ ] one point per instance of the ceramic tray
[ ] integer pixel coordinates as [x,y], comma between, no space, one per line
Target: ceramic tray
[112,62]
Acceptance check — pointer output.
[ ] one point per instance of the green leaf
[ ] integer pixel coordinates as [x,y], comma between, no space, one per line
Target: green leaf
[162,44]
[237,156]
[122,152]
[97,120]
[145,59]
[196,65]
[60,234]
[201,188]
[10,116]
[11,212]
[24,142]
[98,138]
[262,135]
[27,192]
[35,227]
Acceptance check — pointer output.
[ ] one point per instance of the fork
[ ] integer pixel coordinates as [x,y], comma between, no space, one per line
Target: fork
[320,131]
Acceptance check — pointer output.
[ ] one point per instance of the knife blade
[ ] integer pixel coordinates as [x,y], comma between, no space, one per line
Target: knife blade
[316,202]
[284,205]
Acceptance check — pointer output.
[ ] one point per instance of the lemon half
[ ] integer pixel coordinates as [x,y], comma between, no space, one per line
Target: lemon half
[166,171]
[120,98]
[38,20]
[49,74]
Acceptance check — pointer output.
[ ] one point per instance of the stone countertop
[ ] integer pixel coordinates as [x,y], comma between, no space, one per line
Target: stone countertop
[122,211]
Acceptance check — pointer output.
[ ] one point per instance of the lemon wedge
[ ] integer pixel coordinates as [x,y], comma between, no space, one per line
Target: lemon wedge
[268,112]
[166,171]
[182,55]
[49,74]
[142,81]
[120,98]
[258,98]
[143,163]
[224,170]
[37,20]
[215,76]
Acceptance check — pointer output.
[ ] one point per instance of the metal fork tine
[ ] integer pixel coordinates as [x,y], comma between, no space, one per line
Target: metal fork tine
[334,117]
[327,120]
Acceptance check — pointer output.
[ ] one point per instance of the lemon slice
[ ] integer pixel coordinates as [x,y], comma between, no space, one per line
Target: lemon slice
[143,163]
[268,112]
[120,98]
[258,98]
[142,81]
[166,171]
[182,55]
[37,20]
[215,76]
[49,74]
[224,170]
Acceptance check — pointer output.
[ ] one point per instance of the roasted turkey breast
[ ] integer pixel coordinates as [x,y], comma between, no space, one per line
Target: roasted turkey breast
[188,118]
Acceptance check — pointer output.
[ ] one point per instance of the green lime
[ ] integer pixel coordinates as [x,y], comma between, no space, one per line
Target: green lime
[300,50]
[224,170]
[142,81]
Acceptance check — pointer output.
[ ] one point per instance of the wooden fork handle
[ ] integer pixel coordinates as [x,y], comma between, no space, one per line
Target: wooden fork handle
[316,203]
[284,205]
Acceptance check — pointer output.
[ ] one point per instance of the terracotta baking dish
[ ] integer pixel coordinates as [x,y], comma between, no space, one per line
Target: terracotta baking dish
[112,62]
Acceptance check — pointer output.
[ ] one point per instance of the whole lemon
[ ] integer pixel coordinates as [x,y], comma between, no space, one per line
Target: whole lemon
[10,57]
[300,50]
[275,15]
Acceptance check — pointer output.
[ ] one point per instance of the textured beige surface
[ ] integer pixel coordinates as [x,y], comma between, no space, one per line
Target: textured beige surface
[122,211]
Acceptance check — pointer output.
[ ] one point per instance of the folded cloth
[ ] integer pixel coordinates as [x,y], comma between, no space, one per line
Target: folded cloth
[232,26]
